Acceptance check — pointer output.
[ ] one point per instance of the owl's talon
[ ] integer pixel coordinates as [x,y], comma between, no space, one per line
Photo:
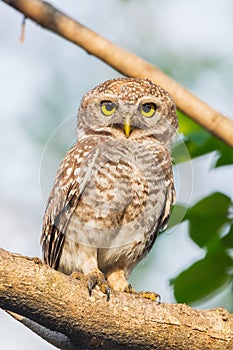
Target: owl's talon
[147,295]
[108,292]
[90,287]
[152,296]
[98,279]
[129,289]
[77,275]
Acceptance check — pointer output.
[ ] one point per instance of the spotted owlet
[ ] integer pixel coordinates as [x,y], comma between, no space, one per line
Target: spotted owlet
[114,189]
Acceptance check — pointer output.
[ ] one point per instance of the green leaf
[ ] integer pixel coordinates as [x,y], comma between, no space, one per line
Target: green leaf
[207,217]
[177,215]
[199,142]
[204,277]
[187,125]
[227,240]
[210,226]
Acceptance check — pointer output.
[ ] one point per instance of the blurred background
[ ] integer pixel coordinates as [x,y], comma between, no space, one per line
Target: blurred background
[41,83]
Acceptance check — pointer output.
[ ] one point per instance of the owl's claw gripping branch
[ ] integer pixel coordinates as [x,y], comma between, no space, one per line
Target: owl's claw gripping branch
[151,295]
[93,280]
[147,295]
[129,289]
[98,280]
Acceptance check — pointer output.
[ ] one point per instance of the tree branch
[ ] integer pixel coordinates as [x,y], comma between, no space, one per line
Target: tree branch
[57,339]
[61,304]
[126,63]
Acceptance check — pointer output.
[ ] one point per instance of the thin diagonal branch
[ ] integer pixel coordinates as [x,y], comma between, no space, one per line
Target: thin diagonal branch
[125,62]
[57,339]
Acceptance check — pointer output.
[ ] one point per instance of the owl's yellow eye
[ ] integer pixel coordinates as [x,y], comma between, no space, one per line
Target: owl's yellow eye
[148,109]
[107,107]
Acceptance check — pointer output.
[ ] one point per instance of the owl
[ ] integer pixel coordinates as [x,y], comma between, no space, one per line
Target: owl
[114,189]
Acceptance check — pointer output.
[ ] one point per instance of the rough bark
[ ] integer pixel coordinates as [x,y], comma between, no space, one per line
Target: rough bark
[125,62]
[61,304]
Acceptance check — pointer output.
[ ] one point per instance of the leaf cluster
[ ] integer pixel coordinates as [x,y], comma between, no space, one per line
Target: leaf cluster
[210,222]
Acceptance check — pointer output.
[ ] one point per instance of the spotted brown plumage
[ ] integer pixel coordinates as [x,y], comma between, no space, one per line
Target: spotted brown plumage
[114,189]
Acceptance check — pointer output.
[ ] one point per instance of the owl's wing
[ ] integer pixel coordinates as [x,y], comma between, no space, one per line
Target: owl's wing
[170,193]
[70,182]
[168,203]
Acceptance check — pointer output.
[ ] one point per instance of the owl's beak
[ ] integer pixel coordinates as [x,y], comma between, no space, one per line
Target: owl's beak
[127,126]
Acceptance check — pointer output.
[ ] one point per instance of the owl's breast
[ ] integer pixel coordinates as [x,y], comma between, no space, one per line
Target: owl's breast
[121,195]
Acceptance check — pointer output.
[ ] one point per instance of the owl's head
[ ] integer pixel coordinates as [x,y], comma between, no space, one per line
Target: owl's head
[128,108]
